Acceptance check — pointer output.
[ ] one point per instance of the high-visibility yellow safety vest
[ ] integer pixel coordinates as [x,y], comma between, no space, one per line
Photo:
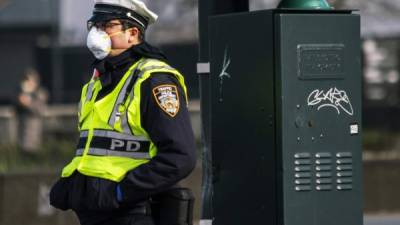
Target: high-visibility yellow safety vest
[112,140]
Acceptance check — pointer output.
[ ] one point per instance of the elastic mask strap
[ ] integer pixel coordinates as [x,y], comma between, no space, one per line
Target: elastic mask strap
[115,33]
[118,32]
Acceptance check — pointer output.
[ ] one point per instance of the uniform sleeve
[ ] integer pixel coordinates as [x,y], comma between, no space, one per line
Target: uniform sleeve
[170,130]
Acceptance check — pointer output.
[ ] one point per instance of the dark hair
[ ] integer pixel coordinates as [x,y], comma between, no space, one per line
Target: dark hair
[127,24]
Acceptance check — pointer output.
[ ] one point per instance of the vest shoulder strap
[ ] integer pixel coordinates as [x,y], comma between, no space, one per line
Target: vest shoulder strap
[137,72]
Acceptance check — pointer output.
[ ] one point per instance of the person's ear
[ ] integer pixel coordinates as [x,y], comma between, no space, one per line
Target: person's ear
[134,34]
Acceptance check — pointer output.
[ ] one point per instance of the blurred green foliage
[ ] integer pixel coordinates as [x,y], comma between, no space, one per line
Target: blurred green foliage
[52,156]
[381,140]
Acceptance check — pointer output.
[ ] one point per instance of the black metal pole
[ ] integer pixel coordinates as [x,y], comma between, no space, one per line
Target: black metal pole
[209,8]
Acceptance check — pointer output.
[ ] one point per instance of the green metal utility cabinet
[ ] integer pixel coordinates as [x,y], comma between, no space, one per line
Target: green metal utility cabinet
[286,118]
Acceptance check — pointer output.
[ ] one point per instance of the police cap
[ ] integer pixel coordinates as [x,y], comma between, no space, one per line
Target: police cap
[134,10]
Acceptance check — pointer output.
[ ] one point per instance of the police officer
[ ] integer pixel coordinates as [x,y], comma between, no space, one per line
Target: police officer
[136,139]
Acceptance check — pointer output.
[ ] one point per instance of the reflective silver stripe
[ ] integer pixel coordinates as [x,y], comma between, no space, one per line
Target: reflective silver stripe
[84,133]
[125,124]
[116,135]
[79,152]
[121,96]
[80,107]
[118,102]
[124,121]
[139,75]
[89,92]
[106,152]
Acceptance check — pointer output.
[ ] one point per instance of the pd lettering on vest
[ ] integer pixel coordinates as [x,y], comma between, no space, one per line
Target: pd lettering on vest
[130,146]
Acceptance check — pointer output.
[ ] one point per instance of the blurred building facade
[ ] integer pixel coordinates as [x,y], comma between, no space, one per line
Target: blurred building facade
[24,27]
[50,36]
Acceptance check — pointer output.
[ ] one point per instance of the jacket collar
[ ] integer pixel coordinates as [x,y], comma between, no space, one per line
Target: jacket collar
[113,68]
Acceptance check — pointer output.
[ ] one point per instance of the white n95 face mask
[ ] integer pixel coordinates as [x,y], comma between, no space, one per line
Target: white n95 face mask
[99,43]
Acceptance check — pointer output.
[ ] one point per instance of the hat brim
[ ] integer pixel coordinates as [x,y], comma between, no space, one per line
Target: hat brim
[98,17]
